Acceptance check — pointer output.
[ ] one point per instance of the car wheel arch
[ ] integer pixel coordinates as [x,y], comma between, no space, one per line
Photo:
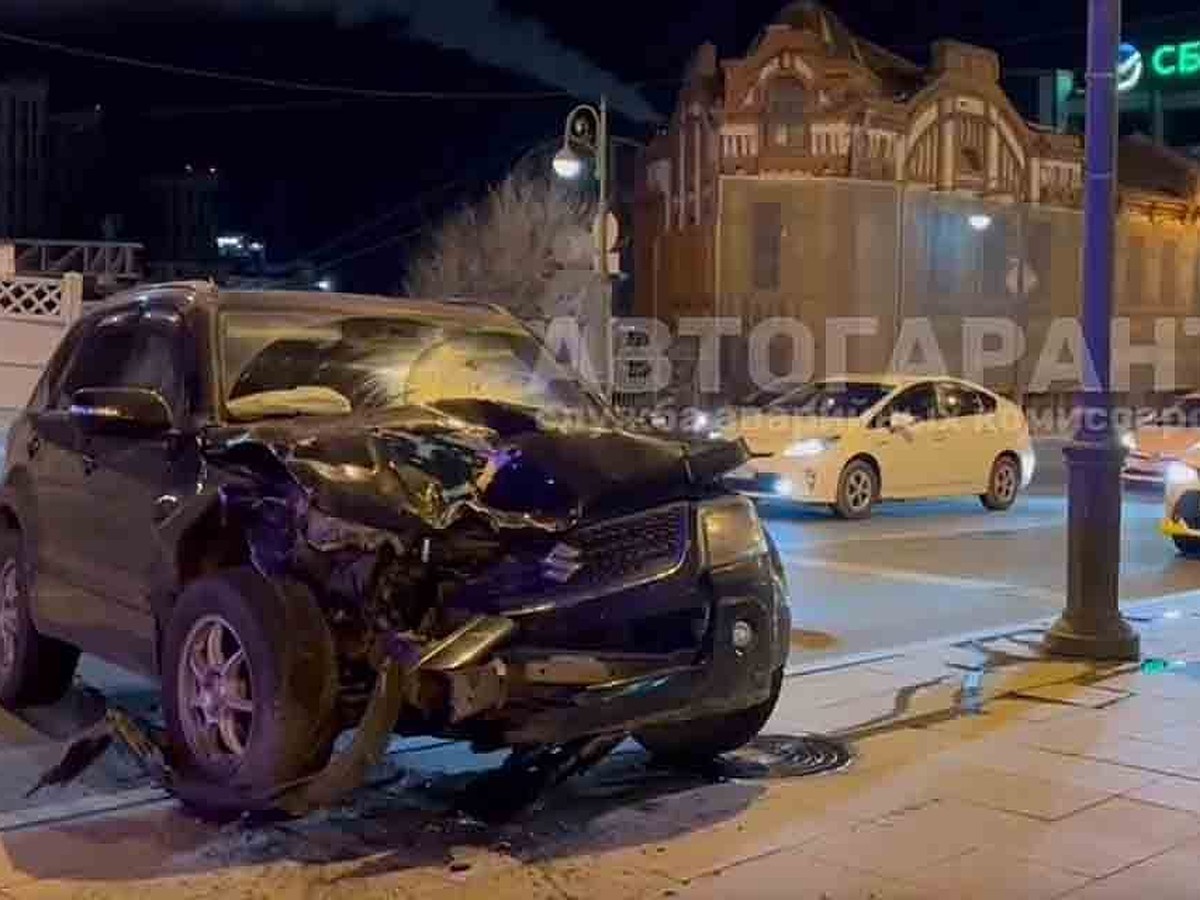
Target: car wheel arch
[204,547]
[874,464]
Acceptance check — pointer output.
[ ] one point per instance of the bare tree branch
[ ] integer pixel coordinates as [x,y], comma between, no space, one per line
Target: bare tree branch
[506,248]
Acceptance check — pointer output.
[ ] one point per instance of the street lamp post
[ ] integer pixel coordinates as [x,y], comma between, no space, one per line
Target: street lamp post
[594,137]
[1091,625]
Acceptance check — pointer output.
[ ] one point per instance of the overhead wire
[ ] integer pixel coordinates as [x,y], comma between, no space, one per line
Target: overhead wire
[282,83]
[411,203]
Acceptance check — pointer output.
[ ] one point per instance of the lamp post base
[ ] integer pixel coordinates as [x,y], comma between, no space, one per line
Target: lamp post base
[1091,626]
[1113,640]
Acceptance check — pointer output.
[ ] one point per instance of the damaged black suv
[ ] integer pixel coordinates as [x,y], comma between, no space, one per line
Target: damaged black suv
[308,513]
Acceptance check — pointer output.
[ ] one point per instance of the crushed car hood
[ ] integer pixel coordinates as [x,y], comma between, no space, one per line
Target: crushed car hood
[387,471]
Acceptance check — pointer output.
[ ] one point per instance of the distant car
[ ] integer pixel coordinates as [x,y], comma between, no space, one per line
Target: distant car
[306,512]
[1157,441]
[1181,502]
[851,442]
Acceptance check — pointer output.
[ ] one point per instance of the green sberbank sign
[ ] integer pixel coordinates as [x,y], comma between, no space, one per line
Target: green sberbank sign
[1166,63]
[1176,60]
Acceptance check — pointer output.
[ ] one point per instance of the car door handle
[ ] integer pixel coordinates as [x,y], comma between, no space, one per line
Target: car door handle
[89,464]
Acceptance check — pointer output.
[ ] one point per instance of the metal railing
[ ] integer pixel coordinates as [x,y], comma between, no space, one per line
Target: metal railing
[109,261]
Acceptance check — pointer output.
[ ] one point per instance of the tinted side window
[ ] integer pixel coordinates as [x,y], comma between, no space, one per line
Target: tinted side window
[101,356]
[919,401]
[957,401]
[156,363]
[126,351]
[48,385]
[987,403]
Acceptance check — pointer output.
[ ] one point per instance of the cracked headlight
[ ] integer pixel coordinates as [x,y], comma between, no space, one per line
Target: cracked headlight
[730,531]
[810,447]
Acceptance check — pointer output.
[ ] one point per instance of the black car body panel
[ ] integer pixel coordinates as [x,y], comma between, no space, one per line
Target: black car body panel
[407,524]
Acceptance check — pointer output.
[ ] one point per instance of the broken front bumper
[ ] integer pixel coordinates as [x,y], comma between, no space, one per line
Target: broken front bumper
[746,644]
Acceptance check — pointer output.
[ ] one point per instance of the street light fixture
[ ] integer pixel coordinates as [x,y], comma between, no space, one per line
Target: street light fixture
[567,164]
[586,128]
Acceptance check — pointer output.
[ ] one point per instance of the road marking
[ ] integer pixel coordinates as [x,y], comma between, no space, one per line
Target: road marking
[913,577]
[916,534]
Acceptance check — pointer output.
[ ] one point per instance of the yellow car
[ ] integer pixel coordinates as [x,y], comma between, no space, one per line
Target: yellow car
[1181,502]
[1158,440]
[850,442]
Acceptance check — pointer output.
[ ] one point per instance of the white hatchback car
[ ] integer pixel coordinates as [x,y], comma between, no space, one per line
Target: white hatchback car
[850,442]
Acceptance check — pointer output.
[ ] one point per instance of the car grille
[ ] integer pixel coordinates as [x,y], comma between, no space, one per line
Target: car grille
[595,558]
[631,548]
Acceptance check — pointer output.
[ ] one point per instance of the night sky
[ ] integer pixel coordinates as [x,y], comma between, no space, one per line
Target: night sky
[322,175]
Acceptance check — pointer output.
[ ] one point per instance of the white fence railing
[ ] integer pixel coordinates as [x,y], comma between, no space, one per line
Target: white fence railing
[34,315]
[108,261]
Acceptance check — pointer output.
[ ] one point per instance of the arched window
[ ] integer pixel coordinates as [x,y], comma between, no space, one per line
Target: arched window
[785,112]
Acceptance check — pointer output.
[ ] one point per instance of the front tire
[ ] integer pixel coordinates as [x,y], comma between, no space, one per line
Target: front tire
[249,689]
[858,488]
[1004,483]
[703,739]
[34,669]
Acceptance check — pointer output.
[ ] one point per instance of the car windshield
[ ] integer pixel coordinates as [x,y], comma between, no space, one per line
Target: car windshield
[333,363]
[836,399]
[768,395]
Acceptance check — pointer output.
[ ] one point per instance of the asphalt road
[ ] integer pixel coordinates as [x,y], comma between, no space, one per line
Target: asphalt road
[928,570]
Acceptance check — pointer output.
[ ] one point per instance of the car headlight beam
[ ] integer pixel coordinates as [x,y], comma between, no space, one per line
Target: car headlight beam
[1181,473]
[730,532]
[810,447]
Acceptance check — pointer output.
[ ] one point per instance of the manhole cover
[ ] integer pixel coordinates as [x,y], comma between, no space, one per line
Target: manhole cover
[784,756]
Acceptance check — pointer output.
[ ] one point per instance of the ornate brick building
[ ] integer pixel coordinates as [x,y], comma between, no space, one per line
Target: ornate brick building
[822,176]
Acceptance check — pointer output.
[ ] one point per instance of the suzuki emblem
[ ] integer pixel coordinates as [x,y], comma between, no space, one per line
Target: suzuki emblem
[562,563]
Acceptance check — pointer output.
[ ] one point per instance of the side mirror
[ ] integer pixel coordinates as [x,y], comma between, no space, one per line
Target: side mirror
[901,421]
[130,411]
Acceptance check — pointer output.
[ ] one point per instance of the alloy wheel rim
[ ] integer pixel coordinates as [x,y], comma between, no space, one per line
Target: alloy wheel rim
[1006,482]
[216,691]
[10,592]
[858,490]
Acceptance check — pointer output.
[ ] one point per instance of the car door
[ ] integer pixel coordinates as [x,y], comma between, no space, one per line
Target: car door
[965,439]
[43,443]
[907,454]
[133,484]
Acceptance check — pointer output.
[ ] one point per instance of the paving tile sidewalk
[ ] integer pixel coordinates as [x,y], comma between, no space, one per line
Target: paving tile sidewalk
[982,770]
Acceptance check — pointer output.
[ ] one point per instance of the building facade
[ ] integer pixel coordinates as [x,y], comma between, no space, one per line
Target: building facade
[820,178]
[24,153]
[178,220]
